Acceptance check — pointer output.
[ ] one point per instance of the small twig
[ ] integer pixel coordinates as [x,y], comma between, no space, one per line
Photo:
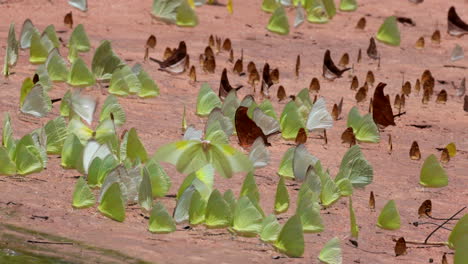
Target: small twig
[442,219]
[434,244]
[429,223]
[446,221]
[49,242]
[455,66]
[399,114]
[368,251]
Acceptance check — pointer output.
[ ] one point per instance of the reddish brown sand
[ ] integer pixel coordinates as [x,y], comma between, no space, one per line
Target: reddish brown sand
[128,24]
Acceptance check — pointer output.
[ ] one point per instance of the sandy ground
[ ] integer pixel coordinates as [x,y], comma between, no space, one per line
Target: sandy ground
[128,23]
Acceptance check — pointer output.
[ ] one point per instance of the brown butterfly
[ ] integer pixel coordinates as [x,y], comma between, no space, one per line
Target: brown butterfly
[354,83]
[390,143]
[211,42]
[330,71]
[246,129]
[425,209]
[429,85]
[68,20]
[465,104]
[361,94]
[209,52]
[426,96]
[436,37]
[176,62]
[251,67]
[419,43]
[193,74]
[381,107]
[348,137]
[218,45]
[151,42]
[426,75]
[400,247]
[372,201]
[441,97]
[455,25]
[417,86]
[444,156]
[254,77]
[402,102]
[231,56]
[274,75]
[227,45]
[224,86]
[187,62]
[337,108]
[359,56]
[298,65]
[415,153]
[344,61]
[406,88]
[301,137]
[209,64]
[314,85]
[281,93]
[361,24]
[372,49]
[238,67]
[370,79]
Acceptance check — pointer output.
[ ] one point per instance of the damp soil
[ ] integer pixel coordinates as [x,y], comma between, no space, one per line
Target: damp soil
[41,202]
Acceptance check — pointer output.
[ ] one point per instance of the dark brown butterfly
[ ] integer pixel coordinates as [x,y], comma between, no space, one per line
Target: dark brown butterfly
[176,62]
[314,85]
[400,247]
[436,37]
[246,129]
[298,65]
[381,107]
[406,21]
[372,49]
[455,25]
[415,153]
[371,201]
[361,24]
[444,259]
[227,45]
[238,68]
[354,83]
[281,93]
[419,43]
[337,108]
[224,85]
[266,79]
[429,85]
[426,75]
[330,71]
[444,156]
[441,97]
[301,137]
[361,94]
[35,78]
[425,209]
[68,20]
[348,137]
